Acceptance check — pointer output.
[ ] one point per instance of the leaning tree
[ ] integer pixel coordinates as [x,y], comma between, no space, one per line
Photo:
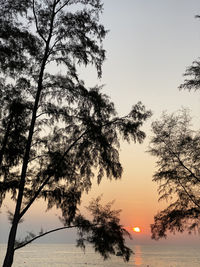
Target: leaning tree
[56,134]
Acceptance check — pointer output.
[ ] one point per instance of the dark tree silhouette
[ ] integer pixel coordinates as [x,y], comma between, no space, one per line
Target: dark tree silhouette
[192,74]
[55,133]
[177,148]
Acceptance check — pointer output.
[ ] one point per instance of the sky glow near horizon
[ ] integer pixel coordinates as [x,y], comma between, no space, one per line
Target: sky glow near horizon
[149,46]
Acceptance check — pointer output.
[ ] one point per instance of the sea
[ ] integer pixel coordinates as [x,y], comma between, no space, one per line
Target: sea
[60,255]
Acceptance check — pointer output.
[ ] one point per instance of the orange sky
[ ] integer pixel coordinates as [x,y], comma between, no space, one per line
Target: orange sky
[148,48]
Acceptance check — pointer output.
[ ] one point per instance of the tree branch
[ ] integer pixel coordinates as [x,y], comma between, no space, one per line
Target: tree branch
[60,8]
[37,157]
[183,165]
[36,23]
[51,50]
[48,178]
[179,160]
[189,195]
[43,113]
[65,153]
[186,191]
[46,233]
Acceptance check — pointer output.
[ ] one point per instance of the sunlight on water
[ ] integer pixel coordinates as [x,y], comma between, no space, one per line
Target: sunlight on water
[137,256]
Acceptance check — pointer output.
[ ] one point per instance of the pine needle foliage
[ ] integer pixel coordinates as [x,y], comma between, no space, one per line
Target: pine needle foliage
[55,133]
[177,149]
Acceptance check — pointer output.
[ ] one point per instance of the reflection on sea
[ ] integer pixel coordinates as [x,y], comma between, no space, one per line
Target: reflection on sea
[137,255]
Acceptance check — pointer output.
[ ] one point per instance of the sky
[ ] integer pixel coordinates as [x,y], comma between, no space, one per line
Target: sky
[149,46]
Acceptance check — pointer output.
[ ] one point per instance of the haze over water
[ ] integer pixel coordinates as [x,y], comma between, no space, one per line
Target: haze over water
[60,255]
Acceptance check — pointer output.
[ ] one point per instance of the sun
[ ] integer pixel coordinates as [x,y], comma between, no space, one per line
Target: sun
[136,229]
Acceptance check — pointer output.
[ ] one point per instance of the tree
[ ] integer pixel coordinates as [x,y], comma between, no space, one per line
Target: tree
[56,133]
[177,148]
[193,72]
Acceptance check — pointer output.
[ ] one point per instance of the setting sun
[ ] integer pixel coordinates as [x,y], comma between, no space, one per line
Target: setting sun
[136,229]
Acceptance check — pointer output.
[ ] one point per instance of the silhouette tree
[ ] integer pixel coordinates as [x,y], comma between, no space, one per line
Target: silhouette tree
[177,148]
[56,133]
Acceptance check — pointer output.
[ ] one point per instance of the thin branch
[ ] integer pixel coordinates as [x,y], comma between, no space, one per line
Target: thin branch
[34,198]
[56,2]
[37,157]
[41,114]
[49,113]
[65,153]
[189,195]
[185,190]
[54,44]
[179,160]
[183,165]
[66,3]
[46,233]
[48,178]
[36,23]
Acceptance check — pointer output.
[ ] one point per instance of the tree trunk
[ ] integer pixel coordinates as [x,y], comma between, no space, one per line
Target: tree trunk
[12,235]
[10,248]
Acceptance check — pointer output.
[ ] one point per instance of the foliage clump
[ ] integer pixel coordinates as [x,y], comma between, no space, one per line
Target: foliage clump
[55,132]
[177,149]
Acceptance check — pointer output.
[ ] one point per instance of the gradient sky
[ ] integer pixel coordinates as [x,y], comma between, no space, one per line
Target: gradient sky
[149,46]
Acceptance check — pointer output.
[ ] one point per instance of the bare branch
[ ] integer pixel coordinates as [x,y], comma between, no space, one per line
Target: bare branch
[46,233]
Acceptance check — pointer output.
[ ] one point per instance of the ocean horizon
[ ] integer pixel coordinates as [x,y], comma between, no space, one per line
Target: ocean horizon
[60,255]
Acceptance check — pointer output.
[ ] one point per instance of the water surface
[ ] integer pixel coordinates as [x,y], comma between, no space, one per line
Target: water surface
[60,255]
